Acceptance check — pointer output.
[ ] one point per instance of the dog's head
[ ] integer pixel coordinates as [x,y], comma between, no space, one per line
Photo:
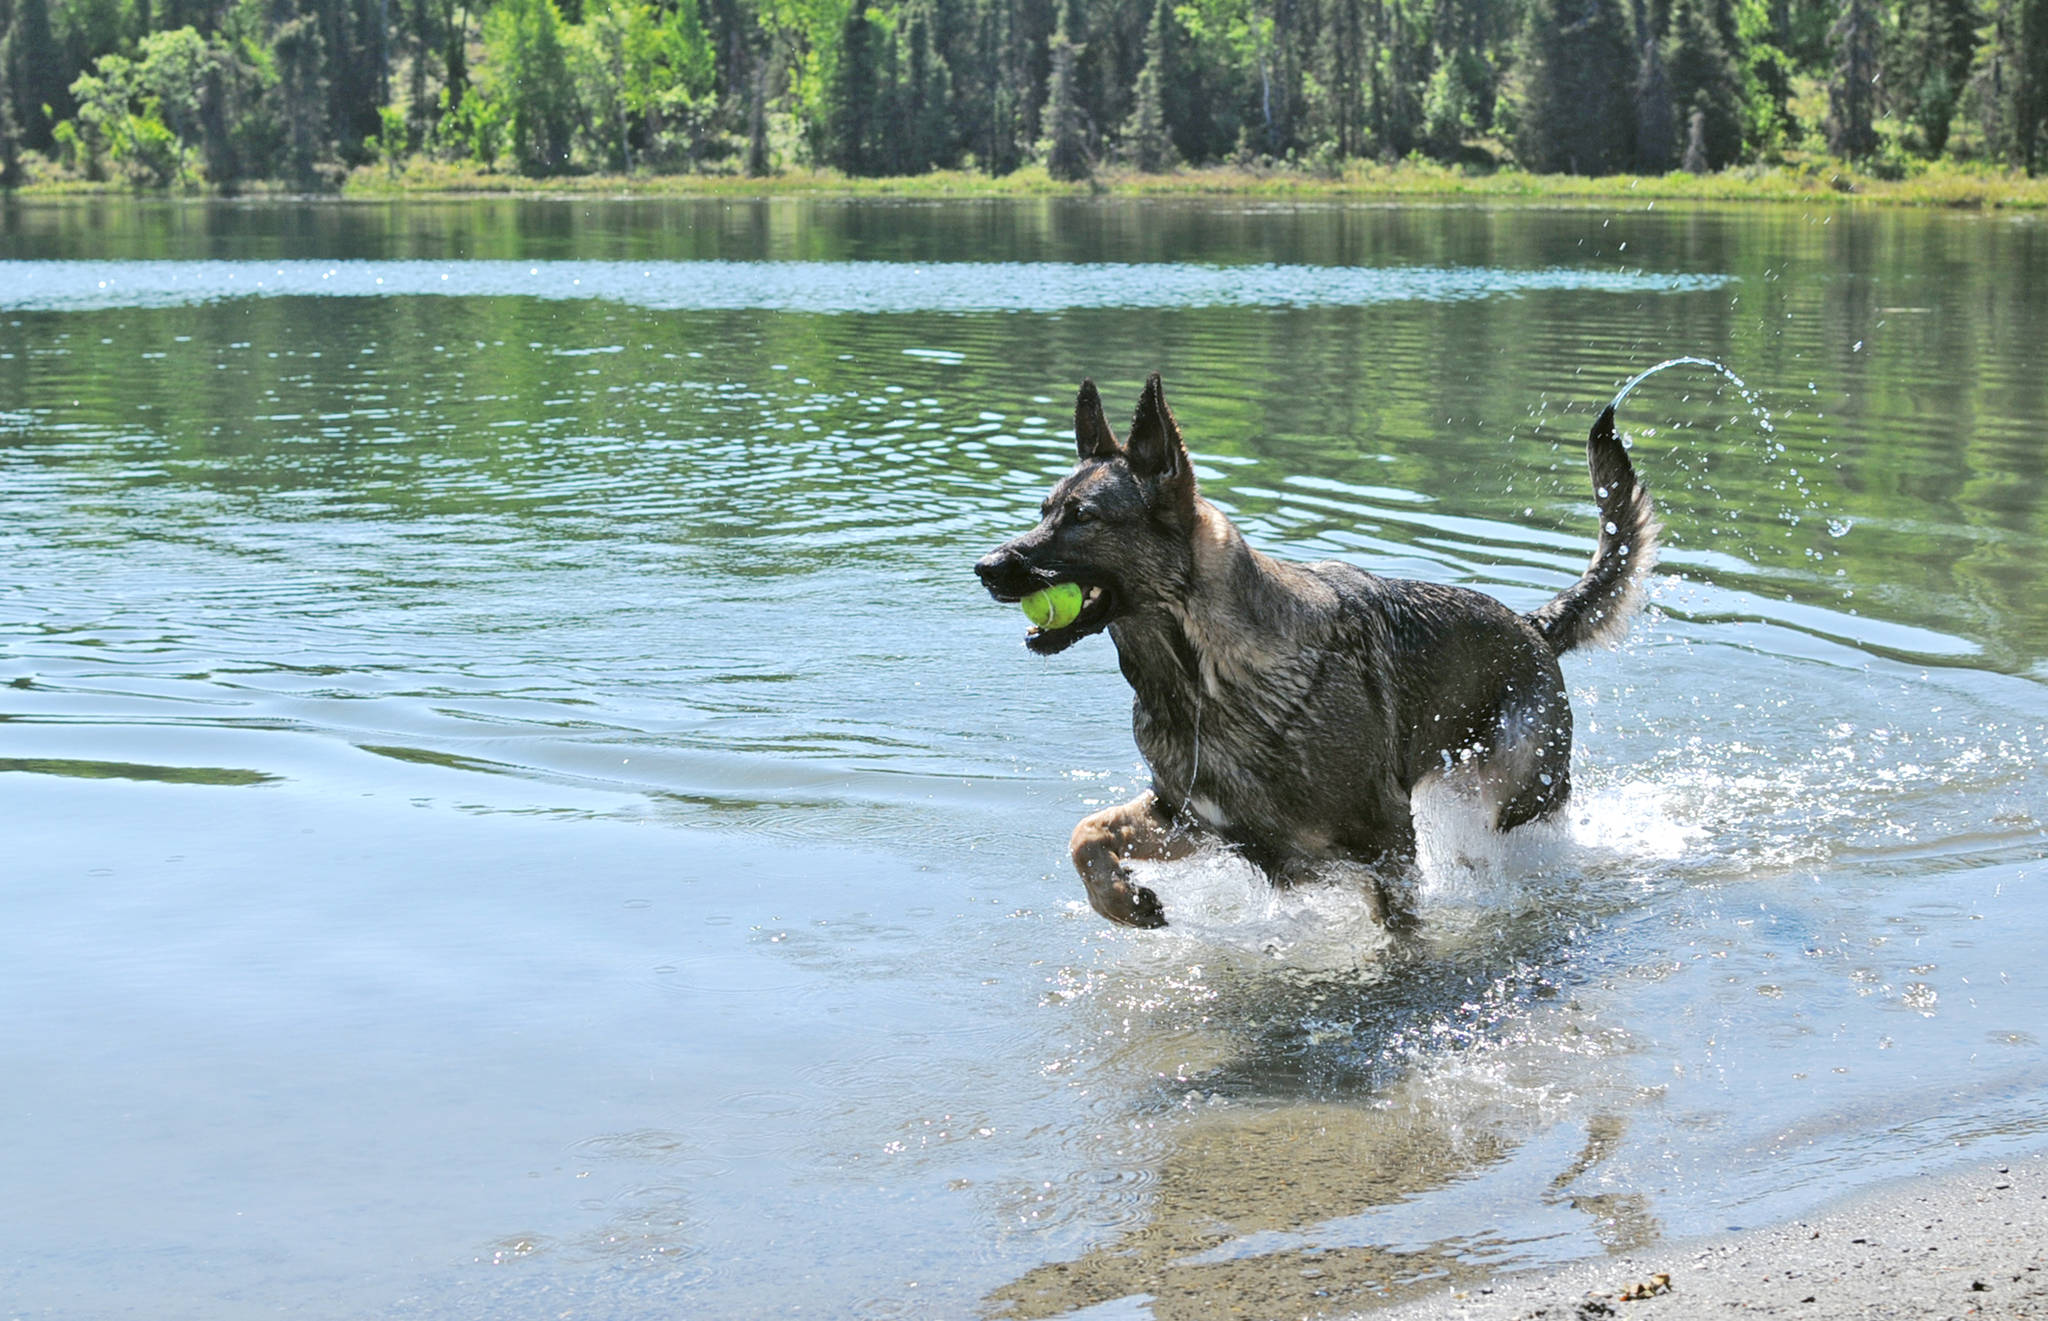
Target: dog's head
[1118,526]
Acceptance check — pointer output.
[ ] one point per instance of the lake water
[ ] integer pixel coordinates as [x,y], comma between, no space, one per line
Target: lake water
[517,806]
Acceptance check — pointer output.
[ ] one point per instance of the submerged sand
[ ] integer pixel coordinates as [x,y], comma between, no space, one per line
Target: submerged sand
[1973,1244]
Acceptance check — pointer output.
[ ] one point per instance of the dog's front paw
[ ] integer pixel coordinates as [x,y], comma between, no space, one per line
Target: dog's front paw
[1127,903]
[1145,909]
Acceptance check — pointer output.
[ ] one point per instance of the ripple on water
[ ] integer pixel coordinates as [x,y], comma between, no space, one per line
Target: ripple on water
[781,286]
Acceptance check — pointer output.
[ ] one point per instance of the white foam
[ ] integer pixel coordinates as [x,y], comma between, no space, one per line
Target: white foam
[1463,869]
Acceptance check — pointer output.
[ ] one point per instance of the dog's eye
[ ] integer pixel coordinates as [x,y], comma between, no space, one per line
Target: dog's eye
[1079,513]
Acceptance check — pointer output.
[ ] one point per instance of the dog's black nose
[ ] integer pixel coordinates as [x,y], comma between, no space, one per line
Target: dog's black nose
[991,567]
[1006,573]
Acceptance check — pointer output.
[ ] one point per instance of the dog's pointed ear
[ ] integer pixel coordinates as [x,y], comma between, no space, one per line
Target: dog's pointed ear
[1092,436]
[1154,448]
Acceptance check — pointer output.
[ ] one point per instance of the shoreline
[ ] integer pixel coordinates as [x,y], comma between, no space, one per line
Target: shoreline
[1969,1243]
[1939,185]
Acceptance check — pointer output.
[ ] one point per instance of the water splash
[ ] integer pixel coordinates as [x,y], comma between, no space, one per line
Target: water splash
[1749,396]
[1801,500]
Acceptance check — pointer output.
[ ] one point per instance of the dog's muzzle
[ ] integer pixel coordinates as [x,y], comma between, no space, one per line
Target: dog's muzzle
[1007,574]
[1010,574]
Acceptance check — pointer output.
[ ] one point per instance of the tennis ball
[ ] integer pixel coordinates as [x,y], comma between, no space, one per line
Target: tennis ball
[1053,607]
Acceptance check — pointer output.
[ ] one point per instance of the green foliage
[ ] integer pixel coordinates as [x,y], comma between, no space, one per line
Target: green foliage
[638,70]
[1229,43]
[31,68]
[2012,83]
[1145,133]
[389,143]
[1066,144]
[1454,102]
[1928,46]
[525,81]
[1574,115]
[142,116]
[300,51]
[852,128]
[170,92]
[1766,80]
[473,128]
[1706,87]
[1852,90]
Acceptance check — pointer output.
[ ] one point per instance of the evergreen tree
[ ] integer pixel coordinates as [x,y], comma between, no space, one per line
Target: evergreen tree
[1066,141]
[926,96]
[850,96]
[300,55]
[10,131]
[1460,96]
[1852,90]
[526,73]
[1695,159]
[1342,74]
[31,72]
[455,54]
[1926,63]
[1451,106]
[1573,112]
[2032,33]
[1766,77]
[1398,79]
[420,30]
[1145,133]
[2014,85]
[1705,82]
[1656,117]
[758,166]
[997,94]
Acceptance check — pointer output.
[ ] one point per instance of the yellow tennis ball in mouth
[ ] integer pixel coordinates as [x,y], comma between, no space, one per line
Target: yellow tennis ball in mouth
[1053,607]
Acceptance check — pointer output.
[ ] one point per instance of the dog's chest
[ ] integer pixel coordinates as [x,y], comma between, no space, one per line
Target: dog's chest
[1242,764]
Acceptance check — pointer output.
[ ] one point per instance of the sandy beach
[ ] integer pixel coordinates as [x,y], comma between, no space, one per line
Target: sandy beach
[1970,1244]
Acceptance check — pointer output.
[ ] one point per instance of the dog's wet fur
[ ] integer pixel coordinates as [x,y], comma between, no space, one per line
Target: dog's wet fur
[1293,709]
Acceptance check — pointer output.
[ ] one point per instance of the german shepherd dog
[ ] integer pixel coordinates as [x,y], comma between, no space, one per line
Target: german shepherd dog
[1293,709]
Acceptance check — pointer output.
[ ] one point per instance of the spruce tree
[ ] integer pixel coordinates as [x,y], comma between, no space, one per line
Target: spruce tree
[2030,119]
[2012,87]
[528,77]
[1852,90]
[757,124]
[1705,83]
[1574,115]
[10,134]
[1695,158]
[1398,82]
[927,95]
[300,56]
[850,96]
[1926,63]
[1766,76]
[1066,143]
[1343,75]
[1145,133]
[32,76]
[1656,117]
[994,89]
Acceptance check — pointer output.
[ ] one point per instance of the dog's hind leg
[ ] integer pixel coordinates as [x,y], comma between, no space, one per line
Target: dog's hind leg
[1102,843]
[1533,762]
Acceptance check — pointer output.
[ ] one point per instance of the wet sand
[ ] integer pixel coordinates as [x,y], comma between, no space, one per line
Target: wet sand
[1971,1244]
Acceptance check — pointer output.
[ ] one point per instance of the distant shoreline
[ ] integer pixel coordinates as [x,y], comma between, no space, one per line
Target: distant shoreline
[1941,185]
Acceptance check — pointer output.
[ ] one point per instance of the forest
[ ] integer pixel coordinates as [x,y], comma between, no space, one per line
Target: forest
[225,94]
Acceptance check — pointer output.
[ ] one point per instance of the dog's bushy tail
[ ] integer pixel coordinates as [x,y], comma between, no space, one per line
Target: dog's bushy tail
[1596,608]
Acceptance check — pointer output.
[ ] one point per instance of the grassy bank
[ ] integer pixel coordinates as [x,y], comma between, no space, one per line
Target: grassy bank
[1943,184]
